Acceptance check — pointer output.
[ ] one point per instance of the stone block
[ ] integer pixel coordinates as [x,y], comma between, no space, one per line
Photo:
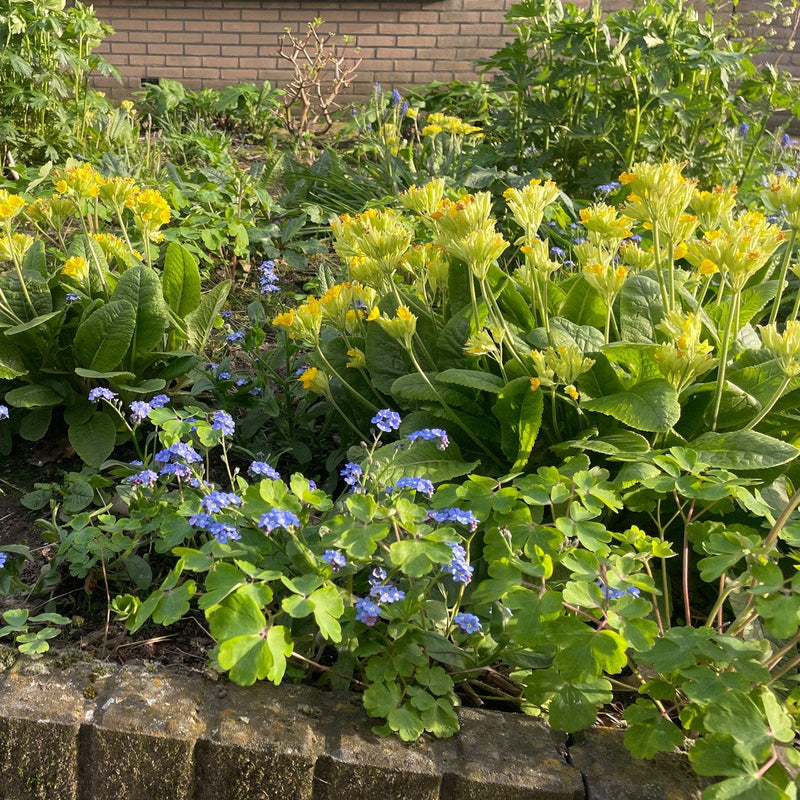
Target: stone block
[508,757]
[261,743]
[612,773]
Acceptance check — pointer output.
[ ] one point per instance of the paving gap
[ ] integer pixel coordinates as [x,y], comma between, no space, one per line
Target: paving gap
[84,787]
[587,794]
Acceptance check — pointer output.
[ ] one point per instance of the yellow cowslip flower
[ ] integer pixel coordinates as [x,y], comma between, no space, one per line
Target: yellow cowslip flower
[453,220]
[782,197]
[739,250]
[357,358]
[439,123]
[634,257]
[707,267]
[537,260]
[535,384]
[76,267]
[479,249]
[715,207]
[11,205]
[126,105]
[411,113]
[785,347]
[527,205]
[116,192]
[286,320]
[424,200]
[401,327]
[685,355]
[572,392]
[605,227]
[481,344]
[680,251]
[315,381]
[431,130]
[373,314]
[565,363]
[661,195]
[80,182]
[606,279]
[116,249]
[14,247]
[150,210]
[50,212]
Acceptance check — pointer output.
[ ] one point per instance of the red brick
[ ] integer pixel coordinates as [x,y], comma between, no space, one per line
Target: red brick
[165,49]
[203,27]
[201,72]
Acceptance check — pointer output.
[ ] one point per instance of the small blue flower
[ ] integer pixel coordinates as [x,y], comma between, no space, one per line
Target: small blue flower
[179,470]
[4,412]
[366,611]
[144,478]
[214,502]
[607,188]
[202,521]
[336,559]
[224,375]
[226,314]
[277,518]
[459,568]
[223,422]
[610,593]
[386,420]
[786,141]
[179,450]
[223,532]
[262,468]
[396,98]
[352,473]
[378,576]
[268,278]
[557,252]
[429,434]
[404,108]
[241,382]
[139,411]
[102,393]
[3,558]
[378,88]
[421,485]
[468,623]
[159,401]
[73,297]
[459,515]
[236,336]
[387,593]
[744,129]
[256,390]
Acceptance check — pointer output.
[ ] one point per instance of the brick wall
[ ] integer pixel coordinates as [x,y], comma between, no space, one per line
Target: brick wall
[403,43]
[219,42]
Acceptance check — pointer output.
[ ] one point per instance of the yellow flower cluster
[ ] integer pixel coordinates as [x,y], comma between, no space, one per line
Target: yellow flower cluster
[714,208]
[80,182]
[685,355]
[10,205]
[560,365]
[782,196]
[785,347]
[528,204]
[442,123]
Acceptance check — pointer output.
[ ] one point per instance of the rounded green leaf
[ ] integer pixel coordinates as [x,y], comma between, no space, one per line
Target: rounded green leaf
[743,450]
[94,439]
[140,287]
[648,406]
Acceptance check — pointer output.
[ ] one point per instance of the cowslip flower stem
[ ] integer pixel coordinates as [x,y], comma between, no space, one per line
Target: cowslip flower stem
[499,317]
[344,383]
[768,406]
[733,313]
[785,261]
[659,270]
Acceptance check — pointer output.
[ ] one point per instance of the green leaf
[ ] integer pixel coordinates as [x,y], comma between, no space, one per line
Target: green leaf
[12,365]
[406,722]
[746,787]
[328,606]
[648,732]
[574,707]
[423,459]
[743,449]
[590,653]
[640,309]
[472,379]
[583,305]
[180,280]
[649,406]
[105,335]
[519,410]
[35,424]
[174,603]
[416,557]
[140,287]
[200,322]
[220,582]
[33,396]
[440,719]
[381,699]
[94,439]
[37,322]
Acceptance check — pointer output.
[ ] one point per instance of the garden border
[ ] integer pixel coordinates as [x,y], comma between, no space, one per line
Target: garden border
[92,731]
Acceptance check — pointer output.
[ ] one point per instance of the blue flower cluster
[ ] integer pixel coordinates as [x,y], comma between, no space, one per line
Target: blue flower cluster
[139,411]
[421,485]
[262,468]
[366,611]
[144,478]
[386,420]
[3,557]
[177,453]
[610,593]
[101,393]
[352,473]
[468,623]
[267,278]
[223,421]
[607,188]
[214,502]
[278,518]
[459,515]
[459,568]
[386,593]
[335,558]
[222,531]
[428,434]
[4,412]
[236,336]
[72,297]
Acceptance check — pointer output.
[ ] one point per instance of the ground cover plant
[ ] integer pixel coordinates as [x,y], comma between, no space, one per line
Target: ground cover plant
[547,431]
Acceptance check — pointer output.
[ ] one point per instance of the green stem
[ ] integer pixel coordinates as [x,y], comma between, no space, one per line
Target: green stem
[787,257]
[659,273]
[768,407]
[344,383]
[733,312]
